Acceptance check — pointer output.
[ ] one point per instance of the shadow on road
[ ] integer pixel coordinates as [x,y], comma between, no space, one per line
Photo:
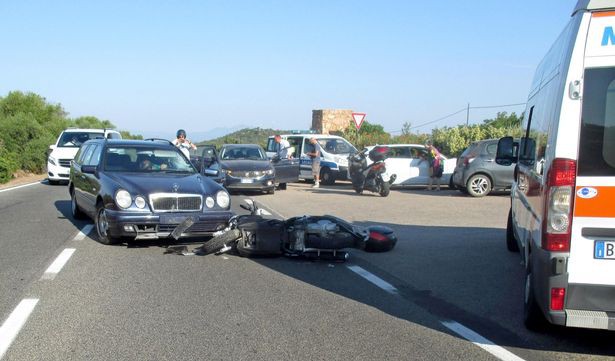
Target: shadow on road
[454,273]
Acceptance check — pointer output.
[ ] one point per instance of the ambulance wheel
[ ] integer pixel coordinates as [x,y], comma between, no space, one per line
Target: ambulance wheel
[532,314]
[511,241]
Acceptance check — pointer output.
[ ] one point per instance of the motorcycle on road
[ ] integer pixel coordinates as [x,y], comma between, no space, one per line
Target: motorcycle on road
[372,177]
[319,237]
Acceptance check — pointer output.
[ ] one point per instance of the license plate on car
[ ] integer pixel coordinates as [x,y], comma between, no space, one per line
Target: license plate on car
[247,180]
[171,219]
[604,250]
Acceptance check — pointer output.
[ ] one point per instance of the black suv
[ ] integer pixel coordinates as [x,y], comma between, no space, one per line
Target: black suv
[477,173]
[144,190]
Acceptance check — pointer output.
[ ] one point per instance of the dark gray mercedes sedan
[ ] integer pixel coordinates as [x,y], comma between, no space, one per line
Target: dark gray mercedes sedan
[135,190]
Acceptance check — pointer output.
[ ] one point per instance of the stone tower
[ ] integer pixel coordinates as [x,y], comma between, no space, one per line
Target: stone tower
[326,121]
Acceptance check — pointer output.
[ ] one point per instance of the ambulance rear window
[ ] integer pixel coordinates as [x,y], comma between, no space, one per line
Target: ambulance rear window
[597,144]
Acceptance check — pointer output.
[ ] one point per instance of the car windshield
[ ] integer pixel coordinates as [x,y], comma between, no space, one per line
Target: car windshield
[336,146]
[146,160]
[239,152]
[75,139]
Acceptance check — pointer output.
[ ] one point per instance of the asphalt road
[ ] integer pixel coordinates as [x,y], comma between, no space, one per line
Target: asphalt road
[450,268]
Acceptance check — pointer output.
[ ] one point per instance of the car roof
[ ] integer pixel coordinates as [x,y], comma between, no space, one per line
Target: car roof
[309,135]
[397,145]
[161,144]
[241,146]
[89,130]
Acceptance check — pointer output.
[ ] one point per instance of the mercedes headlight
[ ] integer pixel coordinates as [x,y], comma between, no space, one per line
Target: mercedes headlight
[123,198]
[52,160]
[223,199]
[209,202]
[140,202]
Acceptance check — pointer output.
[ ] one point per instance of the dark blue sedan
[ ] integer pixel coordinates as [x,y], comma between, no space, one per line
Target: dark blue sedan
[135,190]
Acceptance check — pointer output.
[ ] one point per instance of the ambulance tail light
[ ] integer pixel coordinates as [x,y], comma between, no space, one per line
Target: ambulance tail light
[559,204]
[558,295]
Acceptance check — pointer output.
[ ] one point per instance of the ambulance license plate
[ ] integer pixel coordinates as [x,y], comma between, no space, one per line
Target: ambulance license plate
[604,250]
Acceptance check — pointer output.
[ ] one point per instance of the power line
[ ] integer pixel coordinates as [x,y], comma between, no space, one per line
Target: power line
[457,112]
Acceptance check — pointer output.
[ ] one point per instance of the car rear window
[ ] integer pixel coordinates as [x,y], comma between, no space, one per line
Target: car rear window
[597,144]
[470,149]
[75,139]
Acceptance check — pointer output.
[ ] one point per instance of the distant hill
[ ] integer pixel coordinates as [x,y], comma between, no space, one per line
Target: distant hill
[245,136]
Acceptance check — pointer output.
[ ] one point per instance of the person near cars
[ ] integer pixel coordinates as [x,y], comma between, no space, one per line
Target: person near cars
[183,144]
[314,151]
[436,168]
[282,146]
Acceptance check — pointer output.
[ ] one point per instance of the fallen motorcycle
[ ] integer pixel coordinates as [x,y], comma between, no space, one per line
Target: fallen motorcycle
[319,237]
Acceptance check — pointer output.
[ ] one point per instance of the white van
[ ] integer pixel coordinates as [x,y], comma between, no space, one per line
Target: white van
[562,215]
[67,145]
[334,158]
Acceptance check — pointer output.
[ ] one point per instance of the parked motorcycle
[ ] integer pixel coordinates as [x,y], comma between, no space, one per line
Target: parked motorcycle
[372,177]
[320,237]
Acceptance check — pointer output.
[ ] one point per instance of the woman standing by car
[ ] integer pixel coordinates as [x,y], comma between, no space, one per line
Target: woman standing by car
[436,168]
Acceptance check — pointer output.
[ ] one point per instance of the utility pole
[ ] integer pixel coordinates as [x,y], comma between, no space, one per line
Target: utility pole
[468,115]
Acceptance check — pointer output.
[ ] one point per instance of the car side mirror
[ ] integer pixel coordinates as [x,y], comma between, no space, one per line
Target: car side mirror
[505,154]
[275,158]
[89,169]
[211,172]
[52,147]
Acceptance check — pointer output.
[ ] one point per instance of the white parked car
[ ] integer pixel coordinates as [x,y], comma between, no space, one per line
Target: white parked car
[67,145]
[405,161]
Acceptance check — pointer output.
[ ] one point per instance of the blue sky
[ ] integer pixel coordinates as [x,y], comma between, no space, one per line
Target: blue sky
[154,66]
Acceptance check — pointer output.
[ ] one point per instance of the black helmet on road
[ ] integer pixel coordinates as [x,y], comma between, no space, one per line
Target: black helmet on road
[181,132]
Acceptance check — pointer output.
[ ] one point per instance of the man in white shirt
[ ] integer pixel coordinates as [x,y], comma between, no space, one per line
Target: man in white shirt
[282,147]
[183,144]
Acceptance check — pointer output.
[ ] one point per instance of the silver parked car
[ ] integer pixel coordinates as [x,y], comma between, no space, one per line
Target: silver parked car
[477,173]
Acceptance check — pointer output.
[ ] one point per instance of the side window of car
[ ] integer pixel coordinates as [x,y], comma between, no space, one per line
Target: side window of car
[271,145]
[492,149]
[95,157]
[80,154]
[86,152]
[88,155]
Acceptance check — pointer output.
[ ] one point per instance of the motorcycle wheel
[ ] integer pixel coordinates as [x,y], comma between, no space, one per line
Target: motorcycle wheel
[385,189]
[217,243]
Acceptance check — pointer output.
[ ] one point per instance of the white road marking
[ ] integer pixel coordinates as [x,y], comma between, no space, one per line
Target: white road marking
[11,327]
[374,279]
[57,265]
[84,232]
[480,341]
[21,186]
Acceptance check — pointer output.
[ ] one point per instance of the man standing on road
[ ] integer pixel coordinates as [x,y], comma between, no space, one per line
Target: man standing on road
[282,147]
[183,144]
[314,152]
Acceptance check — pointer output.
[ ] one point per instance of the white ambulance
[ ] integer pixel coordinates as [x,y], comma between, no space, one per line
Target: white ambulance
[562,215]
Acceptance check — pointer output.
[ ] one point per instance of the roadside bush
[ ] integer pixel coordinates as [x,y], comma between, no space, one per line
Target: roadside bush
[8,164]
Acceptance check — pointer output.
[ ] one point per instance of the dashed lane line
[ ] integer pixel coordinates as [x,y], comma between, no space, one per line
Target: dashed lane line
[84,232]
[57,265]
[480,341]
[11,327]
[384,285]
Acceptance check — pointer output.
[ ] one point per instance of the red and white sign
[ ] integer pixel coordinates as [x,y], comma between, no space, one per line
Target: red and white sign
[358,119]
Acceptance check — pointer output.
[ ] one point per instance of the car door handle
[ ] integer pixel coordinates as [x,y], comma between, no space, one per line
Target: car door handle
[489,160]
[83,177]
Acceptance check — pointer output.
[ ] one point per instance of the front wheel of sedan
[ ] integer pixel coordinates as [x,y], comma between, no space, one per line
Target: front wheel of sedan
[479,185]
[102,227]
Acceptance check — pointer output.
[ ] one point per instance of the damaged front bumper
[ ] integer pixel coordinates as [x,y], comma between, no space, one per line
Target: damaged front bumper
[149,226]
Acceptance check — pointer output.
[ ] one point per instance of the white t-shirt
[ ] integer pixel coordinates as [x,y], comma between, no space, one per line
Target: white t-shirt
[283,148]
[184,147]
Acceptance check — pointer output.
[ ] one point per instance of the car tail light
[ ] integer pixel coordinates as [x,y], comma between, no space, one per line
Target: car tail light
[377,236]
[468,160]
[558,205]
[557,298]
